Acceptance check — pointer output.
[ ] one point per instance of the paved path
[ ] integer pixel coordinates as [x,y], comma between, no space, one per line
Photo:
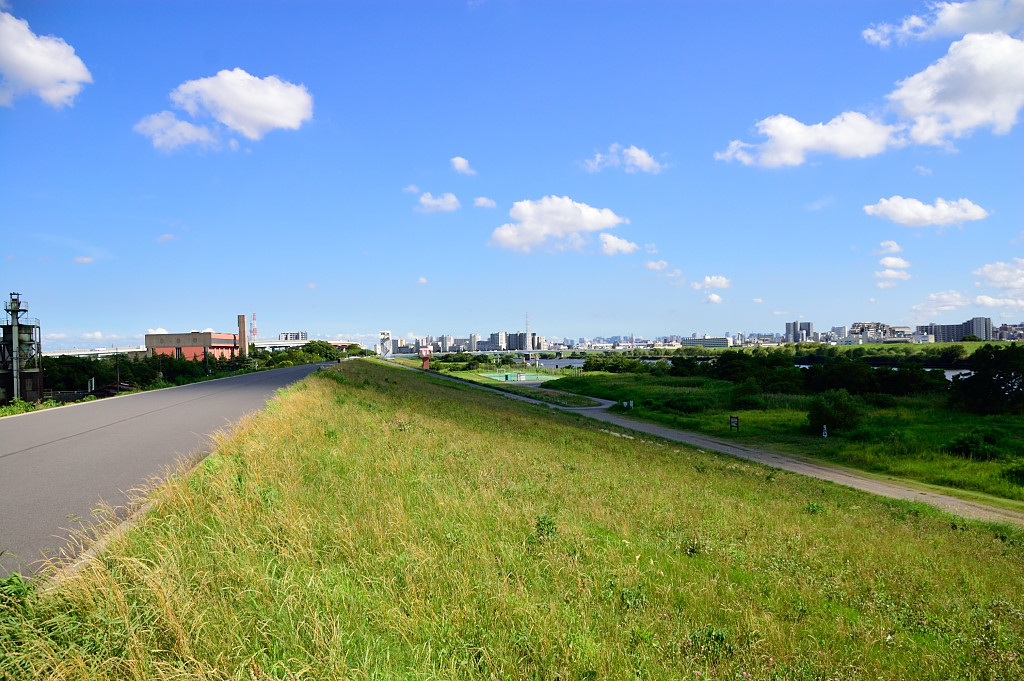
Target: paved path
[886,488]
[56,465]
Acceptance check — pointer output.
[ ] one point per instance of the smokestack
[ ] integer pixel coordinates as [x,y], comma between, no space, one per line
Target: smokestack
[243,339]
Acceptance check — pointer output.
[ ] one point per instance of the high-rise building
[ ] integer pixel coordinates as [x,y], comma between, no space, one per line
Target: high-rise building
[952,333]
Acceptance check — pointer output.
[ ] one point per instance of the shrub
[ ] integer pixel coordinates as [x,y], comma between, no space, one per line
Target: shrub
[978,445]
[688,403]
[746,395]
[838,410]
[1015,474]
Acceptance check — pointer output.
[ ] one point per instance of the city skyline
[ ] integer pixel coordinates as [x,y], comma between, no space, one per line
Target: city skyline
[343,168]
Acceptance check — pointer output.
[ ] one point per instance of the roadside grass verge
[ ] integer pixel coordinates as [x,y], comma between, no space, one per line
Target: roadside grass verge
[374,523]
[911,437]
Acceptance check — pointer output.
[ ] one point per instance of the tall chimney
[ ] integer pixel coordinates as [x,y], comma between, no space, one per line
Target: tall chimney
[243,340]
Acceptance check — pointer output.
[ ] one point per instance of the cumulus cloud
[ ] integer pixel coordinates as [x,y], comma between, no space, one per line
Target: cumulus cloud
[421,280]
[311,286]
[612,245]
[159,329]
[1007,277]
[484,202]
[168,132]
[894,263]
[631,159]
[461,165]
[558,222]
[45,66]
[758,300]
[651,248]
[889,247]
[241,102]
[714,298]
[1011,303]
[849,135]
[84,260]
[978,83]
[164,238]
[951,18]
[936,303]
[656,265]
[444,203]
[93,335]
[709,282]
[411,189]
[914,213]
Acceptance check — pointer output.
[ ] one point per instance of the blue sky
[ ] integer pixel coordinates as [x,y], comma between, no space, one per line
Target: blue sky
[446,167]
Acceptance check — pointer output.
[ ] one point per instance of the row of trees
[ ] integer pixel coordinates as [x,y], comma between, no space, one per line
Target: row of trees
[66,373]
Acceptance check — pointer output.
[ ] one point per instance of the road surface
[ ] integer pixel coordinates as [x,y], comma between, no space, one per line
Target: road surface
[58,465]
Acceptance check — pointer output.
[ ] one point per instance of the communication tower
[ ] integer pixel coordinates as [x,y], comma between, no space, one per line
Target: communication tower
[252,328]
[21,367]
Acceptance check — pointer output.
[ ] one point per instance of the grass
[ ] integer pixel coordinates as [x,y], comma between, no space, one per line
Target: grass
[909,439]
[373,523]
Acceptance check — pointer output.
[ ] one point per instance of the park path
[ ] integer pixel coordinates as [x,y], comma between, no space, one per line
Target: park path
[891,488]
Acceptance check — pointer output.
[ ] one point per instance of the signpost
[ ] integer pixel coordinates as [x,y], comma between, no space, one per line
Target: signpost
[734,422]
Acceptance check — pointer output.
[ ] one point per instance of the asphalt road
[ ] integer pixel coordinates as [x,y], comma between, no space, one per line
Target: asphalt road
[58,465]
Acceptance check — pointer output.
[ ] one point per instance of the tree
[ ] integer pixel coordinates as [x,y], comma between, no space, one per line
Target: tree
[321,349]
[996,384]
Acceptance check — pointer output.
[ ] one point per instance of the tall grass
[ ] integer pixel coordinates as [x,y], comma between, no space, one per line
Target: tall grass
[374,523]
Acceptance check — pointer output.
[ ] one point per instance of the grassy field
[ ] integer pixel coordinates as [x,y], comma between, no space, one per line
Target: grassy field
[909,438]
[375,523]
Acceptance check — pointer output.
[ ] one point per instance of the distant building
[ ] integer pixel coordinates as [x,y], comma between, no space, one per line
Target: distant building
[707,342]
[193,345]
[952,333]
[799,332]
[292,336]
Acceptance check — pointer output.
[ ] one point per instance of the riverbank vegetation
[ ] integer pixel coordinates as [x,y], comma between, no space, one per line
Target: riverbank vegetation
[378,523]
[904,420]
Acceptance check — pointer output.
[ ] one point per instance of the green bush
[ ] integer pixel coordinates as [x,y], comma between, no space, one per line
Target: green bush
[746,395]
[838,410]
[979,445]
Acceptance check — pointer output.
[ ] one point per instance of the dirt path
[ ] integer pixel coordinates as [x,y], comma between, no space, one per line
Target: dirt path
[961,507]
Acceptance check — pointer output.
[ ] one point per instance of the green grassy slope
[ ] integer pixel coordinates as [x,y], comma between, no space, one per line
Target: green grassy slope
[376,523]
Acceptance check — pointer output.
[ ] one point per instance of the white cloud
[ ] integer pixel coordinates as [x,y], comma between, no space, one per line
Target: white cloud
[978,83]
[55,336]
[936,303]
[164,238]
[411,189]
[168,132]
[461,165]
[444,203]
[988,301]
[484,202]
[913,213]
[45,66]
[611,245]
[714,298]
[1007,277]
[921,170]
[849,135]
[758,300]
[890,247]
[674,274]
[651,248]
[159,329]
[245,103]
[952,18]
[631,158]
[311,286]
[93,335]
[716,281]
[421,280]
[894,263]
[656,265]
[893,274]
[239,101]
[84,260]
[557,221]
